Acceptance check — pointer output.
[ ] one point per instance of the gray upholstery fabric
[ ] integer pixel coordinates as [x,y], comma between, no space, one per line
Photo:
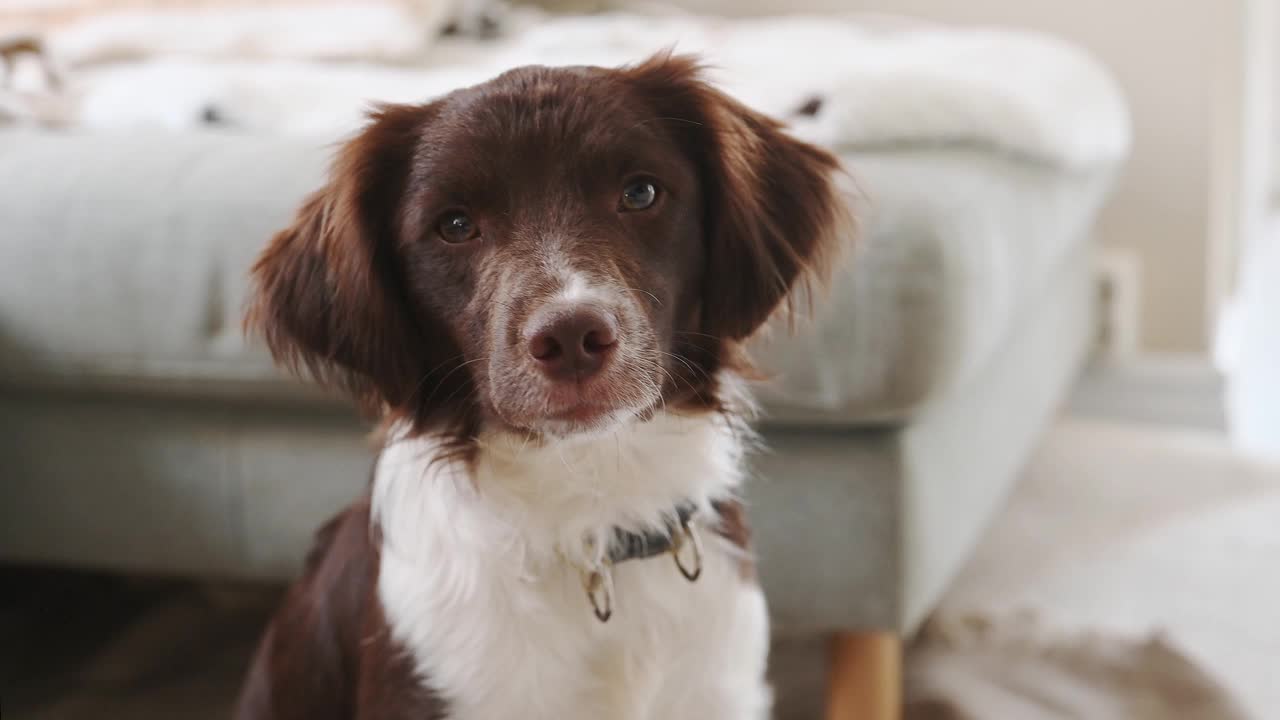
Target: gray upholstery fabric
[126,257]
[957,242]
[126,268]
[864,529]
[172,487]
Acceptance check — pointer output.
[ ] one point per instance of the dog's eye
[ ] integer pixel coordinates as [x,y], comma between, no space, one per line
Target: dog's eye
[639,195]
[456,227]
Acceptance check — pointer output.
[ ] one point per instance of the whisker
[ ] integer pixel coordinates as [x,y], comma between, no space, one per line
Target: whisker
[528,436]
[674,382]
[433,371]
[697,371]
[447,376]
[646,292]
[563,461]
[697,334]
[693,370]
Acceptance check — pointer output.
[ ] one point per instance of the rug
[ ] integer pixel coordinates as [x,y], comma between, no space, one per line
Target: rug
[1129,530]
[982,669]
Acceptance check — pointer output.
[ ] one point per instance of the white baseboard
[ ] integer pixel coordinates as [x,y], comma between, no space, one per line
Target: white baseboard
[1171,390]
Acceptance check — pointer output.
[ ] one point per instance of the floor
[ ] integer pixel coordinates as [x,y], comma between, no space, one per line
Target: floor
[1118,527]
[1124,529]
[81,647]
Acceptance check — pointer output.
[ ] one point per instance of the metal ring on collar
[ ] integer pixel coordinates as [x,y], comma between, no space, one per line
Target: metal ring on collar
[599,587]
[687,537]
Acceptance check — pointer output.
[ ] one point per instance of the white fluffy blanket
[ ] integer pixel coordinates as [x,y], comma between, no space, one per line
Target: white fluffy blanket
[879,85]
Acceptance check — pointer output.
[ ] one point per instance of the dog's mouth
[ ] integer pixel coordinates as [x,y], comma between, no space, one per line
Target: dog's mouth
[583,422]
[584,413]
[570,408]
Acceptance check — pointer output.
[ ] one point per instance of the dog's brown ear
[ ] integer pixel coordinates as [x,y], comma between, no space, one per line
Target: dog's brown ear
[328,297]
[774,215]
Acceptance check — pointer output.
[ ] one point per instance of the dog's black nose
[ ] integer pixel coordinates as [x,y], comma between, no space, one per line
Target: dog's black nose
[573,343]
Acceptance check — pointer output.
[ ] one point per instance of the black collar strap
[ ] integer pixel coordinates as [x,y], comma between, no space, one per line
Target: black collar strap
[628,545]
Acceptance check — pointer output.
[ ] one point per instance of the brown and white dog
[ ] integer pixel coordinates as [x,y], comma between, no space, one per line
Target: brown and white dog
[542,284]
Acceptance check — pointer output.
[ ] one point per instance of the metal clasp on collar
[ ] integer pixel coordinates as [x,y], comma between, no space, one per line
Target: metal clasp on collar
[599,586]
[686,537]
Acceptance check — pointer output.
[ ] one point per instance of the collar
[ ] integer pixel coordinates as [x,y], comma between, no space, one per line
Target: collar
[675,538]
[628,545]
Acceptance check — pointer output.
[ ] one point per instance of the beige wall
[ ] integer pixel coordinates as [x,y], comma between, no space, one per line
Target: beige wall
[1165,53]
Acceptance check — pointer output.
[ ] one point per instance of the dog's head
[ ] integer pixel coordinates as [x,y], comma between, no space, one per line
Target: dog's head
[557,250]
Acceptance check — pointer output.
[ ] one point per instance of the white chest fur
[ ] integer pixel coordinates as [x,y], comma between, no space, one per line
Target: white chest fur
[479,579]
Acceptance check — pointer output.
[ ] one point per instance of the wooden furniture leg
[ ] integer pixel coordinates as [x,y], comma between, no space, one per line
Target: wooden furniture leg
[864,676]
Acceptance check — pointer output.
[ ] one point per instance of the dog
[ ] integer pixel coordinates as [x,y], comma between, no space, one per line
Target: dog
[542,285]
